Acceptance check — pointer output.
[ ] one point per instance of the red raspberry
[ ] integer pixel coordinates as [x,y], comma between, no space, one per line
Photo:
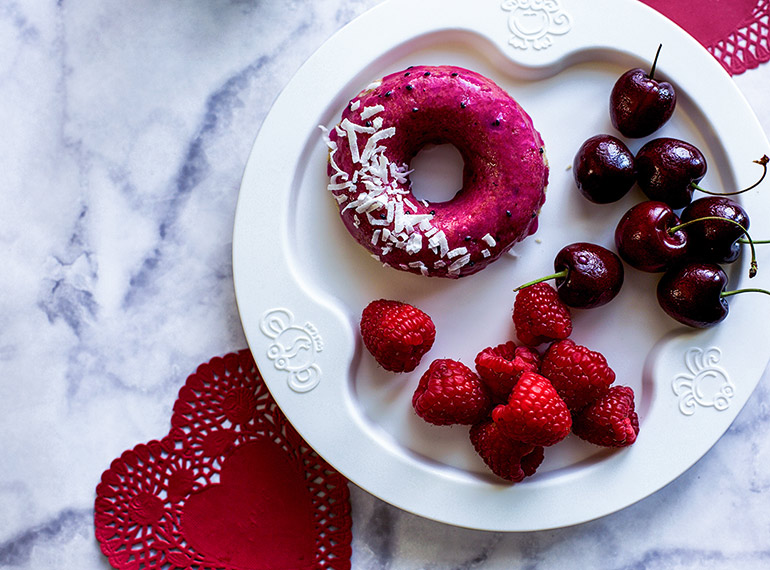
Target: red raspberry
[507,458]
[540,316]
[501,366]
[450,393]
[396,334]
[534,413]
[579,375]
[611,421]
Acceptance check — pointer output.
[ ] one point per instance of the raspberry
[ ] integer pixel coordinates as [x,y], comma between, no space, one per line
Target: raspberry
[540,316]
[535,413]
[611,421]
[450,393]
[579,375]
[396,334]
[507,458]
[501,366]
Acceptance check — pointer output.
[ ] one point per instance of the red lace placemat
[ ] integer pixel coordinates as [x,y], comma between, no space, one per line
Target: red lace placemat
[231,487]
[736,32]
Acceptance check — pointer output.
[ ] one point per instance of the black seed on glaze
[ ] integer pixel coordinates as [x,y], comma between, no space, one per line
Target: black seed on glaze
[388,93]
[368,123]
[542,150]
[426,74]
[496,123]
[508,213]
[415,109]
[407,74]
[455,74]
[463,104]
[468,238]
[409,86]
[432,212]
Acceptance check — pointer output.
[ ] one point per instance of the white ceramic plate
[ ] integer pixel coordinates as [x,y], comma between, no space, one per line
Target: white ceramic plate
[301,281]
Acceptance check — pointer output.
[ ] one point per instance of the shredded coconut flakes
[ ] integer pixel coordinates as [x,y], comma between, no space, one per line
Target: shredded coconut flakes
[377,191]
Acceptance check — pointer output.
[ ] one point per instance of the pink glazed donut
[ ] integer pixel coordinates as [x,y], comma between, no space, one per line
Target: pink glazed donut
[504,178]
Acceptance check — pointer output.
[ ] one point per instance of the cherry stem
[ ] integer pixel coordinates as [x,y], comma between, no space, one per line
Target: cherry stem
[743,240]
[762,162]
[753,267]
[747,290]
[655,62]
[562,273]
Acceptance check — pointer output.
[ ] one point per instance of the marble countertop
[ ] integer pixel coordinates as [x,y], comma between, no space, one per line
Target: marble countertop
[127,126]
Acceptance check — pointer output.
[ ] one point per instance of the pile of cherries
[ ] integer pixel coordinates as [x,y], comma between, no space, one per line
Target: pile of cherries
[687,247]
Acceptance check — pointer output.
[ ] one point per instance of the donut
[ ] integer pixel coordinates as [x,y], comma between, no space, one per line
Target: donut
[505,172]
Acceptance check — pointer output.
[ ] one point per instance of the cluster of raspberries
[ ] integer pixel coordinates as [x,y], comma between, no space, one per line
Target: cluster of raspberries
[518,400]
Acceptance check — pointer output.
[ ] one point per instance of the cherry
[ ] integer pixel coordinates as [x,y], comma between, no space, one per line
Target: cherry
[715,240]
[604,169]
[587,275]
[668,170]
[694,294]
[639,104]
[645,239]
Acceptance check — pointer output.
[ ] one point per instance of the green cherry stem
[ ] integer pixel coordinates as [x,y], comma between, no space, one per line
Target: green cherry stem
[655,62]
[560,274]
[747,290]
[753,267]
[762,162]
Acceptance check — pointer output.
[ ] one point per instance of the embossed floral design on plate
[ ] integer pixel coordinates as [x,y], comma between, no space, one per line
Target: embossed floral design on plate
[293,348]
[534,22]
[705,384]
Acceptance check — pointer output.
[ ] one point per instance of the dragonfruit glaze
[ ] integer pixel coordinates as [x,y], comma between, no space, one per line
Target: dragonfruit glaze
[504,177]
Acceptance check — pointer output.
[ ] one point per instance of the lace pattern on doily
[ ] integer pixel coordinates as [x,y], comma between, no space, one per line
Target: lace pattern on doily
[748,46]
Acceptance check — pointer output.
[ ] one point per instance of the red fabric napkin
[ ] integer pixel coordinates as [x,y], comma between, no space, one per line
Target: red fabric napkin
[232,486]
[736,32]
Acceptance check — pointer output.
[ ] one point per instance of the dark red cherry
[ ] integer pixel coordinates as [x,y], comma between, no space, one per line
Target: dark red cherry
[604,169]
[646,239]
[713,239]
[594,275]
[587,275]
[693,294]
[639,104]
[668,170]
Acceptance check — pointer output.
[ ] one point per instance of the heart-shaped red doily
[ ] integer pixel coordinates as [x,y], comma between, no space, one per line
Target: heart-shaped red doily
[231,487]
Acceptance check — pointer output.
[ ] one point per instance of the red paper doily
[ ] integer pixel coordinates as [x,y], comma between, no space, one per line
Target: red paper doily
[736,32]
[231,487]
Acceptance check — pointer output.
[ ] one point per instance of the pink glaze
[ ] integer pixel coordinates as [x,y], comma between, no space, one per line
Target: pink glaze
[504,178]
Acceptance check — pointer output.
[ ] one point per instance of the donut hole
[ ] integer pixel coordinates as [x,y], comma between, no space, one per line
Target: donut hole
[437,173]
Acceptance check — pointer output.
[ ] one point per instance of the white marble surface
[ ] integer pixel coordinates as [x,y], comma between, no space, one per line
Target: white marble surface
[126,127]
